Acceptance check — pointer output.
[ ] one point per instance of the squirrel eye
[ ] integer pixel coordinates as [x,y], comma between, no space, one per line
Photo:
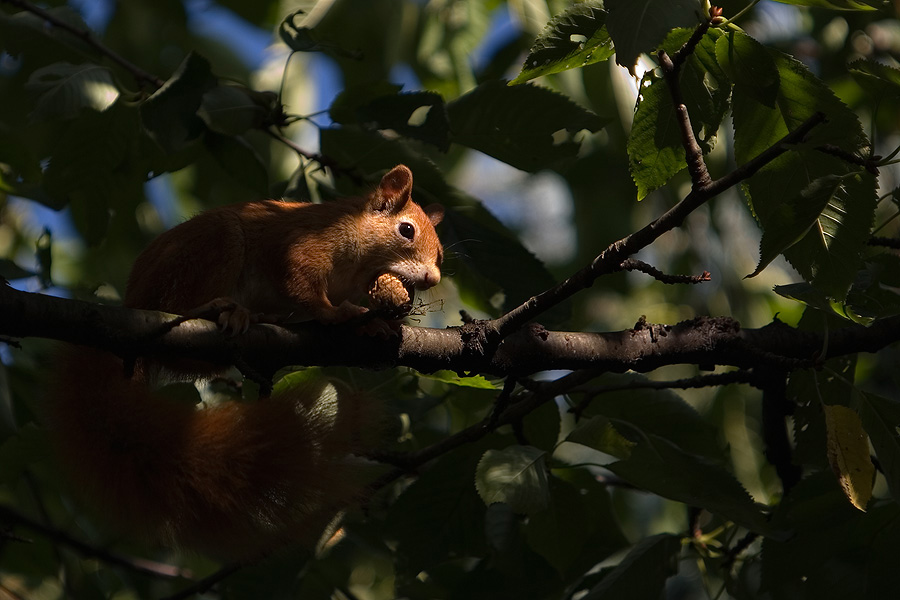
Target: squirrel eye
[407,230]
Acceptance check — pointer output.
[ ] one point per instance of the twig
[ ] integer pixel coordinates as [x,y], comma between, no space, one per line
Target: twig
[671,68]
[139,565]
[140,75]
[633,264]
[701,381]
[540,393]
[608,260]
[884,241]
[870,164]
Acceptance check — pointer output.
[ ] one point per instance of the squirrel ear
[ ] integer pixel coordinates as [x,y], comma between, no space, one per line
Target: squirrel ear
[435,213]
[395,189]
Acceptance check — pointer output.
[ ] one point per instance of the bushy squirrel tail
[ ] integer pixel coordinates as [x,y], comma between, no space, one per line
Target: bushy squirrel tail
[236,479]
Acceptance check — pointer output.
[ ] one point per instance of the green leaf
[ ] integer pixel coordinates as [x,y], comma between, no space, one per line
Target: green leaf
[170,114]
[878,80]
[638,26]
[881,419]
[655,150]
[560,532]
[643,572]
[344,108]
[750,67]
[239,160]
[848,453]
[305,39]
[228,110]
[792,219]
[574,38]
[63,89]
[809,390]
[417,115]
[451,378]
[526,126]
[600,434]
[837,4]
[658,466]
[655,145]
[659,412]
[516,476]
[828,255]
[541,426]
[835,551]
[442,502]
[372,153]
[27,33]
[86,159]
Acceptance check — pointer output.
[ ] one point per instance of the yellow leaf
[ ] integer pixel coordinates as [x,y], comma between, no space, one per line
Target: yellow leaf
[848,453]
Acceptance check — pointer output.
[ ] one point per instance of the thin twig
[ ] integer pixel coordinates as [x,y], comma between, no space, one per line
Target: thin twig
[869,164]
[139,565]
[884,241]
[140,75]
[609,260]
[700,381]
[633,264]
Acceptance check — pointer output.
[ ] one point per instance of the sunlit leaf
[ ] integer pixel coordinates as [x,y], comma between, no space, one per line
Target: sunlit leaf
[792,219]
[63,89]
[449,377]
[656,145]
[848,453]
[574,38]
[516,476]
[638,26]
[526,126]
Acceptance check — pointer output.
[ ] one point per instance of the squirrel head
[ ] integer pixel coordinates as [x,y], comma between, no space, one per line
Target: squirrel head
[404,238]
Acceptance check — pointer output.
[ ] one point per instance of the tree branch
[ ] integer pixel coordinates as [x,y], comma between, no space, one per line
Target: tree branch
[609,260]
[266,348]
[141,76]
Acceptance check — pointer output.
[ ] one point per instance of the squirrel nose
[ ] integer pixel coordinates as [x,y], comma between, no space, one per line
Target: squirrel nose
[431,279]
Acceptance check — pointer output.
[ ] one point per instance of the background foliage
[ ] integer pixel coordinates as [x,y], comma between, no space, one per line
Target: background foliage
[637,493]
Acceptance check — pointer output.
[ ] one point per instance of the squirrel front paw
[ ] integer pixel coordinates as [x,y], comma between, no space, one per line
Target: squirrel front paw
[231,317]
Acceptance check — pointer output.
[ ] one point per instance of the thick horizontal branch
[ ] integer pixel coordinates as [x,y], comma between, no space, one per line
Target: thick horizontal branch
[266,348]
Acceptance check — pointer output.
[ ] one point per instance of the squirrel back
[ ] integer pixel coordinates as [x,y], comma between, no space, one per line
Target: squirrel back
[237,479]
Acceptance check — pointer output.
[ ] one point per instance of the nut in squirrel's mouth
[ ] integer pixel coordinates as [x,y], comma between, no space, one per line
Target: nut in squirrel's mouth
[391,291]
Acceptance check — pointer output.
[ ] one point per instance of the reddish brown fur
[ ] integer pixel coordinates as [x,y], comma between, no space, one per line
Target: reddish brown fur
[233,480]
[240,478]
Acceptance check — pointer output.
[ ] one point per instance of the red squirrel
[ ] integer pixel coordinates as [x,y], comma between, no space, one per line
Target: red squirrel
[241,478]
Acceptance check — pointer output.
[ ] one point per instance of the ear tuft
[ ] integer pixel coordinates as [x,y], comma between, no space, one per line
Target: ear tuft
[435,213]
[395,188]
